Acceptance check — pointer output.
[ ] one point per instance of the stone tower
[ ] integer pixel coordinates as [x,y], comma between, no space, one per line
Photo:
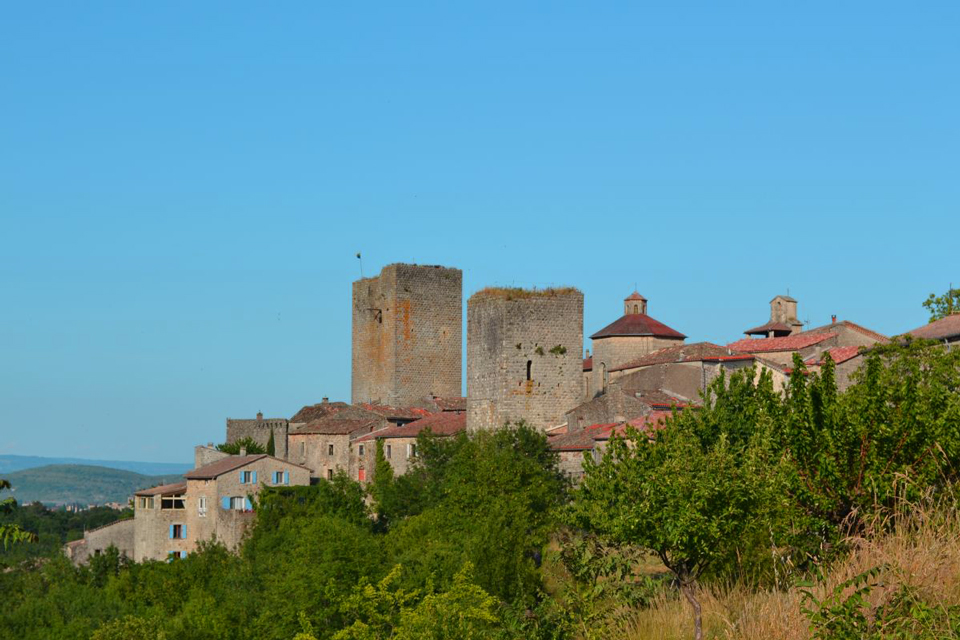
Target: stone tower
[632,336]
[524,356]
[407,335]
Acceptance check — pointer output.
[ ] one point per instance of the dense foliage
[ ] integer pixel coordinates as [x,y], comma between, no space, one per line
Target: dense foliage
[943,305]
[251,446]
[484,538]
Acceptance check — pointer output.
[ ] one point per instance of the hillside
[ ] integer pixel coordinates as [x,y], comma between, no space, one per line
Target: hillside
[11,463]
[75,483]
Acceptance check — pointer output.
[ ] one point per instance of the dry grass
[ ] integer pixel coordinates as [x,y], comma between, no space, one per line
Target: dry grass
[921,550]
[516,293]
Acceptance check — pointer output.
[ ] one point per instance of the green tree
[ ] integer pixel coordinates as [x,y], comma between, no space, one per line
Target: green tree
[693,491]
[233,448]
[944,305]
[12,533]
[271,445]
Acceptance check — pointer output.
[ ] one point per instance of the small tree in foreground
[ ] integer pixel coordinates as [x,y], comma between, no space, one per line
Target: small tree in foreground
[12,533]
[690,493]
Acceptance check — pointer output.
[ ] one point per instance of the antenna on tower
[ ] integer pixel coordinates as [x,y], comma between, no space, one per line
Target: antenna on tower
[361,264]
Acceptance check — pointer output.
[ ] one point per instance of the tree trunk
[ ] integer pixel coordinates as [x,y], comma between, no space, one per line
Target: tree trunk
[686,588]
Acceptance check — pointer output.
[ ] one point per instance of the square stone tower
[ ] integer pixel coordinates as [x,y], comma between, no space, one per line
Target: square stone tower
[524,356]
[407,335]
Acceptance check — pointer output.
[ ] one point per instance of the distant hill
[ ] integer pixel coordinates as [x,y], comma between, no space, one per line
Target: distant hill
[75,483]
[10,463]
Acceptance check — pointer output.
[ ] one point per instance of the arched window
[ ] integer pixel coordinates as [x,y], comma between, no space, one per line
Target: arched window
[529,367]
[636,309]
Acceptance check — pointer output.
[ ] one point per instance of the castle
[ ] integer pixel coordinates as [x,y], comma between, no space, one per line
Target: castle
[525,362]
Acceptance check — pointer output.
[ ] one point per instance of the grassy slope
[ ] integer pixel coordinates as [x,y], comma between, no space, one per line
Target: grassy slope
[75,483]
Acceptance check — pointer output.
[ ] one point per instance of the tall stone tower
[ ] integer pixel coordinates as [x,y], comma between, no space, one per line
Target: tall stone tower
[407,335]
[524,356]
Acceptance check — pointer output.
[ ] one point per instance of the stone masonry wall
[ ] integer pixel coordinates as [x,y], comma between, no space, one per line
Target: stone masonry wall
[616,350]
[506,333]
[119,534]
[259,430]
[407,335]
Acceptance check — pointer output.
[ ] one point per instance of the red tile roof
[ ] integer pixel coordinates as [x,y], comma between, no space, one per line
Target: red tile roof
[786,343]
[942,329]
[588,437]
[447,423]
[588,364]
[833,326]
[837,354]
[164,490]
[220,467]
[451,404]
[317,411]
[637,324]
[635,296]
[396,413]
[338,425]
[679,353]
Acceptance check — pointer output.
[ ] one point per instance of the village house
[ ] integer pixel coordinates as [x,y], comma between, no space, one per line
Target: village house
[400,442]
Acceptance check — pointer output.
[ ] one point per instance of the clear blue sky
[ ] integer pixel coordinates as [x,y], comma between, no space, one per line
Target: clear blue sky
[183,186]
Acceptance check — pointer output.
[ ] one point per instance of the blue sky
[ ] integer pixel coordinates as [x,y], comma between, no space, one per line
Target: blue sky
[183,186]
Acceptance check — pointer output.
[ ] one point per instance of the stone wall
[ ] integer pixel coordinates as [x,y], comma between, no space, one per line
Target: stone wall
[524,357]
[407,335]
[312,450]
[617,350]
[259,429]
[613,406]
[119,534]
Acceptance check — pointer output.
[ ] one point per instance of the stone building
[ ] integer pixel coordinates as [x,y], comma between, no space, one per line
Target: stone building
[119,534]
[781,350]
[259,430]
[400,442]
[213,503]
[326,445]
[783,319]
[850,334]
[945,330]
[407,335]
[633,335]
[847,360]
[524,356]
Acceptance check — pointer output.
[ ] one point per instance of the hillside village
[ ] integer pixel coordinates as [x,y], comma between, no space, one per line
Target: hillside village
[525,362]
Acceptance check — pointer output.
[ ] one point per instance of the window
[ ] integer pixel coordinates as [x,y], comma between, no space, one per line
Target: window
[329,474]
[329,449]
[178,532]
[389,451]
[529,367]
[411,451]
[173,502]
[636,309]
[303,449]
[237,503]
[248,477]
[202,506]
[361,451]
[176,555]
[362,475]
[146,502]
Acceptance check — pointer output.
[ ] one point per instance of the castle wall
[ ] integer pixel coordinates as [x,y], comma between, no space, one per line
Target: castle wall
[407,335]
[260,430]
[119,534]
[507,331]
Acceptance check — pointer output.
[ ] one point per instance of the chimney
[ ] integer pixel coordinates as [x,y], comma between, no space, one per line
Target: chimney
[259,416]
[325,400]
[243,451]
[833,319]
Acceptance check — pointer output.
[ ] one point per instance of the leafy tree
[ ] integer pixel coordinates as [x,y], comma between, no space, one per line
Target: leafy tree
[233,448]
[12,533]
[271,445]
[943,306]
[693,491]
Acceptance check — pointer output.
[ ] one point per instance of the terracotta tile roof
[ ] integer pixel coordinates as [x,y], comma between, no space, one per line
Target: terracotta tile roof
[679,353]
[588,364]
[447,423]
[942,329]
[635,296]
[770,326]
[660,399]
[832,328]
[582,440]
[588,437]
[220,467]
[837,354]
[336,425]
[637,324]
[317,411]
[451,404]
[164,490]
[396,413]
[786,343]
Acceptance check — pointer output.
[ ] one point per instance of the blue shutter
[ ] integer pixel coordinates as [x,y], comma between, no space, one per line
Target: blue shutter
[286,477]
[183,532]
[247,504]
[226,502]
[183,554]
[241,478]
[254,477]
[171,531]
